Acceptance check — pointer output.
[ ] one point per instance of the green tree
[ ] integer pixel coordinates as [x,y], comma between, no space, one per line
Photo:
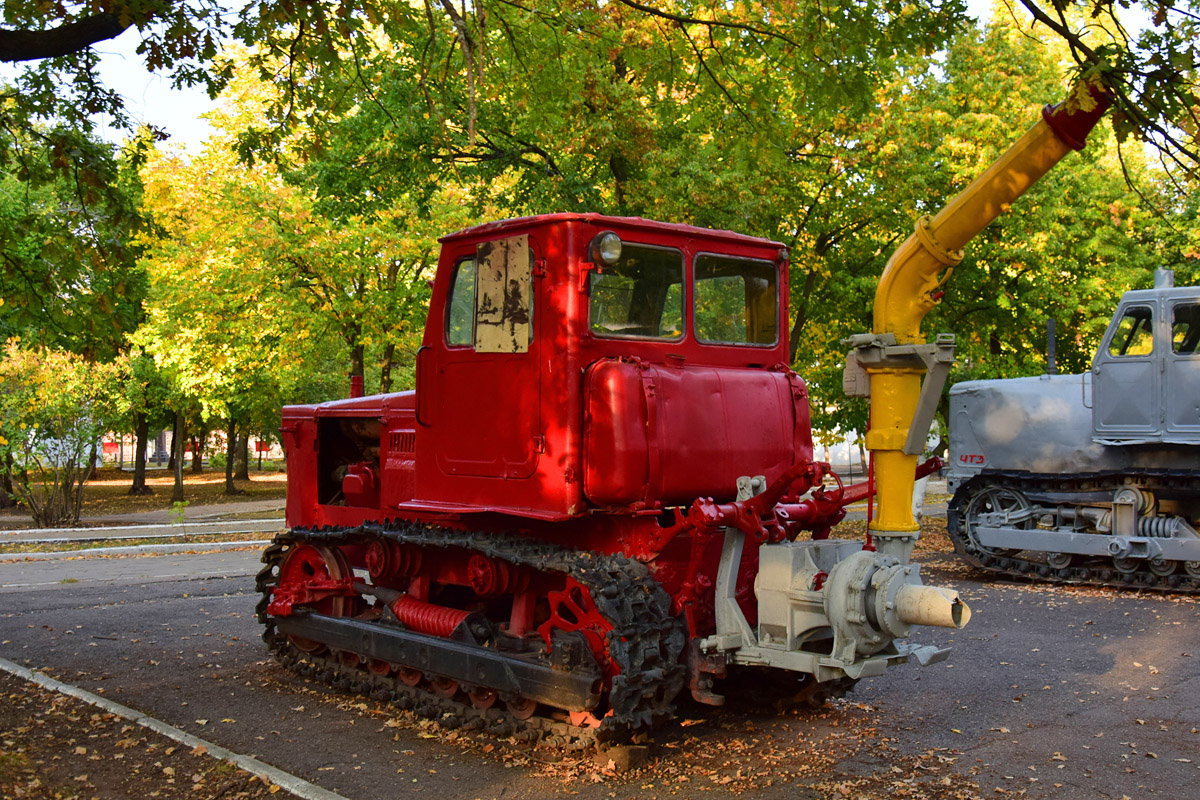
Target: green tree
[69,242]
[643,110]
[226,323]
[1152,73]
[293,262]
[54,407]
[1064,251]
[144,407]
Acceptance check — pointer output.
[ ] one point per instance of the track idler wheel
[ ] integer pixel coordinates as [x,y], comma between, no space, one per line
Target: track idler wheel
[409,676]
[1061,560]
[1126,566]
[992,500]
[313,569]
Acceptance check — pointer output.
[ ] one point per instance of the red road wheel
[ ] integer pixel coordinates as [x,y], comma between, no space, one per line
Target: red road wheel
[378,666]
[309,565]
[409,676]
[446,687]
[482,699]
[521,708]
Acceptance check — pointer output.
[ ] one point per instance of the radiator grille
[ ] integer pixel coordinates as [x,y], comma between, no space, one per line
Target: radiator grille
[403,441]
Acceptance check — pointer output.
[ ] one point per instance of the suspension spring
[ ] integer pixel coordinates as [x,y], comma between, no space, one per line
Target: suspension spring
[428,618]
[1159,527]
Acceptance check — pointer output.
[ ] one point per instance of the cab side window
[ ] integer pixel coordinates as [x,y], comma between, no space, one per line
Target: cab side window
[1134,335]
[460,312]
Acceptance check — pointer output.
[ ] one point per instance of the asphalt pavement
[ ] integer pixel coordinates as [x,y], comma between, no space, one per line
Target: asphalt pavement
[1050,692]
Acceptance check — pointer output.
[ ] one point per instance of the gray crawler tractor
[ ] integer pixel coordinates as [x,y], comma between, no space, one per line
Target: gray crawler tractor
[1091,478]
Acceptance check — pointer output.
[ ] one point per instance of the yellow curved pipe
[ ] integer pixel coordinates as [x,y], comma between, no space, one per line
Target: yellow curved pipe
[913,272]
[919,267]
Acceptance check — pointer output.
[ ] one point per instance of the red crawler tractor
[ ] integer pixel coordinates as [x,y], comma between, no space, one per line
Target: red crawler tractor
[546,518]
[594,497]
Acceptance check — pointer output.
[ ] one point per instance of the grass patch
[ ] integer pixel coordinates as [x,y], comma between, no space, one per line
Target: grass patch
[108,492]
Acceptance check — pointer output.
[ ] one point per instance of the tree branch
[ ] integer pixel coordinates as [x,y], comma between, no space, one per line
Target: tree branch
[68,38]
[710,23]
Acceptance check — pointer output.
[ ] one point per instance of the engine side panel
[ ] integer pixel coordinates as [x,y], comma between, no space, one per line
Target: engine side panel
[1041,425]
[1036,424]
[660,433]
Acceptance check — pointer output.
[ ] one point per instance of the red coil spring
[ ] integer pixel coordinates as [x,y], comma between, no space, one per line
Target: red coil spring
[428,618]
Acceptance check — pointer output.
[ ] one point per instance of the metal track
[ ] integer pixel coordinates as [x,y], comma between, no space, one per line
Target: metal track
[1175,483]
[645,642]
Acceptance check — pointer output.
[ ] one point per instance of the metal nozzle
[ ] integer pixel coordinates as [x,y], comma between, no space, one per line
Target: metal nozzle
[931,605]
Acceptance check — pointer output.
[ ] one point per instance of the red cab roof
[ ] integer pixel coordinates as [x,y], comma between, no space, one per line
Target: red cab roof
[491,228]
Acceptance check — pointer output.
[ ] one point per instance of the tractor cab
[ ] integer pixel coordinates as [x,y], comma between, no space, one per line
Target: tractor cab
[1145,377]
[574,363]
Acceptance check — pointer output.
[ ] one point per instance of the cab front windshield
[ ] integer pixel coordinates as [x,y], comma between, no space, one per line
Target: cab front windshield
[734,300]
[640,296]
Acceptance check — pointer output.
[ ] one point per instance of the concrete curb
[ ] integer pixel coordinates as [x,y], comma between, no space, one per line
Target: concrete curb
[136,531]
[297,786]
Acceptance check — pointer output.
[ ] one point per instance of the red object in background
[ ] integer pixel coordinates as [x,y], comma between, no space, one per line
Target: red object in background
[262,447]
[110,448]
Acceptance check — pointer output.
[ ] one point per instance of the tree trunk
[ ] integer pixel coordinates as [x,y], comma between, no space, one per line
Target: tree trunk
[75,498]
[243,457]
[142,432]
[357,358]
[90,472]
[177,458]
[385,369]
[8,498]
[230,453]
[199,443]
[800,304]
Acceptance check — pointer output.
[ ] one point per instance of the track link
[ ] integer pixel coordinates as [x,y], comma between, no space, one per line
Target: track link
[1094,573]
[645,641]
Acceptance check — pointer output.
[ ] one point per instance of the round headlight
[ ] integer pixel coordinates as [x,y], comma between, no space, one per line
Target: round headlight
[605,249]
